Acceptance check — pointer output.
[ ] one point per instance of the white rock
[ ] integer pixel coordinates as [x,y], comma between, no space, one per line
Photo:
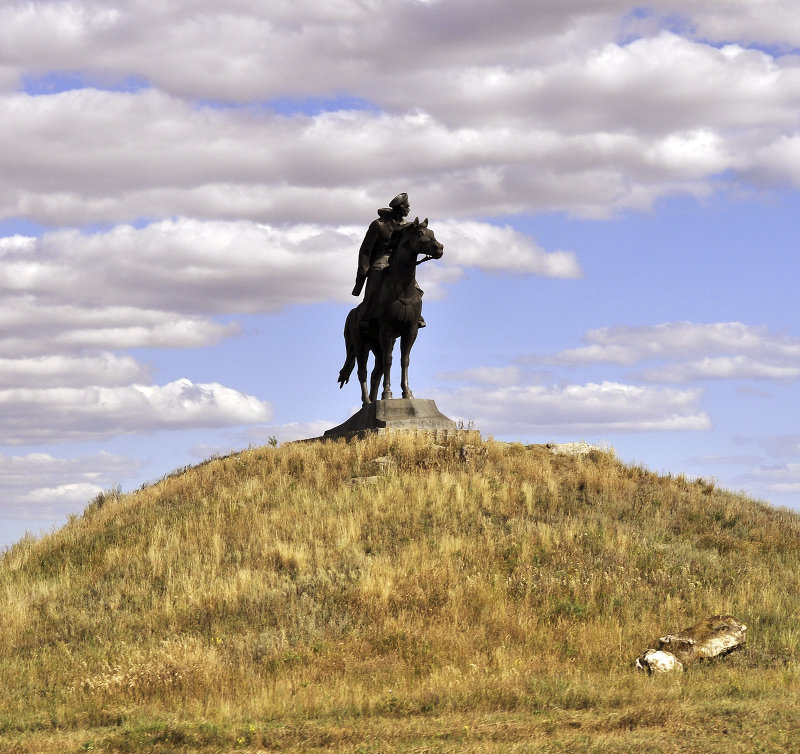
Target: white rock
[658,661]
[571,448]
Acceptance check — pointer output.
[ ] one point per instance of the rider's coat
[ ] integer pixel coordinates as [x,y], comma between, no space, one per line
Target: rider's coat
[373,256]
[374,251]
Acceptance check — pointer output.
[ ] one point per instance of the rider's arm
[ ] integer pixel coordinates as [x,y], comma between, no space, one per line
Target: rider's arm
[367,245]
[365,256]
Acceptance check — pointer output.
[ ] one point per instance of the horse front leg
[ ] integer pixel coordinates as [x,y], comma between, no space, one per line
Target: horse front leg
[387,345]
[377,373]
[406,342]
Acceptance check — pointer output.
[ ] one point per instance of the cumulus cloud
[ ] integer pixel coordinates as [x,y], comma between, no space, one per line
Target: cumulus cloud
[68,494]
[261,434]
[509,375]
[153,156]
[40,326]
[503,249]
[274,169]
[489,130]
[782,446]
[723,368]
[578,409]
[630,344]
[778,479]
[127,277]
[66,371]
[778,163]
[656,86]
[39,486]
[770,23]
[29,415]
[186,266]
[725,460]
[724,350]
[241,51]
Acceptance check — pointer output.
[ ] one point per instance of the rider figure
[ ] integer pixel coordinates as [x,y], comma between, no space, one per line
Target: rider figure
[373,256]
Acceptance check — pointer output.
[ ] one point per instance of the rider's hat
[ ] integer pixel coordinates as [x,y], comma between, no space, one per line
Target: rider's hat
[398,200]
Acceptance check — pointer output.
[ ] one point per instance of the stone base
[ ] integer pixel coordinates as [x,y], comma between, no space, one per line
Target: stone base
[403,414]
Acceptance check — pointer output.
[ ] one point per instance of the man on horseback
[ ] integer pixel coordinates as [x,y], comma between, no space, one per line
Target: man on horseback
[373,256]
[397,306]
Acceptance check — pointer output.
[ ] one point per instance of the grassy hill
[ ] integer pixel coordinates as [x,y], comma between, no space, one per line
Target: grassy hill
[483,599]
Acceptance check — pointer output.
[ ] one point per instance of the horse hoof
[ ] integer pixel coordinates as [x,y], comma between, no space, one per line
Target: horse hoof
[408,394]
[386,396]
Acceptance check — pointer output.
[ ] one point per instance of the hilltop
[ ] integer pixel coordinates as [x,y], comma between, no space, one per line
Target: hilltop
[395,593]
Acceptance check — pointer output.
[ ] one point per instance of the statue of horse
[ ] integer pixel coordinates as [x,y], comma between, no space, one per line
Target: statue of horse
[398,308]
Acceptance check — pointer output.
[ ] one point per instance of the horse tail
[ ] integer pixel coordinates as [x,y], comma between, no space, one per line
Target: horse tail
[350,360]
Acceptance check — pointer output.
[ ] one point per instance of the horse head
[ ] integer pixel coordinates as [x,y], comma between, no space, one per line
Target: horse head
[417,238]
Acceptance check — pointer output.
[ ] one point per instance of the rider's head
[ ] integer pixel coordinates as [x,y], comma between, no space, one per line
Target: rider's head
[400,205]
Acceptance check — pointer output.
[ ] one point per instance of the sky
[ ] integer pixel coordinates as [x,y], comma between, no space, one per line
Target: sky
[184,187]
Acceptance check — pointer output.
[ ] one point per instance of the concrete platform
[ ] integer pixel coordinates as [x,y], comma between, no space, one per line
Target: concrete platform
[405,414]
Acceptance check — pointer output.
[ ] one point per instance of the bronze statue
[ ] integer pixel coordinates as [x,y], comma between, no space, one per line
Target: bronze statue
[395,307]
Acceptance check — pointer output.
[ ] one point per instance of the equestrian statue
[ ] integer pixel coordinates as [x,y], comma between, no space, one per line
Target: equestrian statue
[392,305]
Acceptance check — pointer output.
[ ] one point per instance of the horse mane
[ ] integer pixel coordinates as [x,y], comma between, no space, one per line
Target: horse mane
[396,237]
[400,231]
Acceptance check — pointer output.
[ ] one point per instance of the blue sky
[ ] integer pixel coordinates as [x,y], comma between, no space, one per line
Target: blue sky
[184,188]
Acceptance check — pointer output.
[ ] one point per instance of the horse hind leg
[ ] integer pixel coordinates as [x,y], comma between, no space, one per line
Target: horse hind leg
[387,344]
[363,355]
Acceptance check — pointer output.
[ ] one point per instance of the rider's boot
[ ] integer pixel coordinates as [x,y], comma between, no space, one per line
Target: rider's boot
[422,322]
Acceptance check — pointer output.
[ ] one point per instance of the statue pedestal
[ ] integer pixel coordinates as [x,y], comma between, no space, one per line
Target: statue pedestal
[403,414]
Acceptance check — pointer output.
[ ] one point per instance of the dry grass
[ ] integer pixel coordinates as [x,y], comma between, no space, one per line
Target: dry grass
[262,602]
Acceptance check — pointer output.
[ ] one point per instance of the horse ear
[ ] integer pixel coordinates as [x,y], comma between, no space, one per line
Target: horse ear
[416,221]
[424,223]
